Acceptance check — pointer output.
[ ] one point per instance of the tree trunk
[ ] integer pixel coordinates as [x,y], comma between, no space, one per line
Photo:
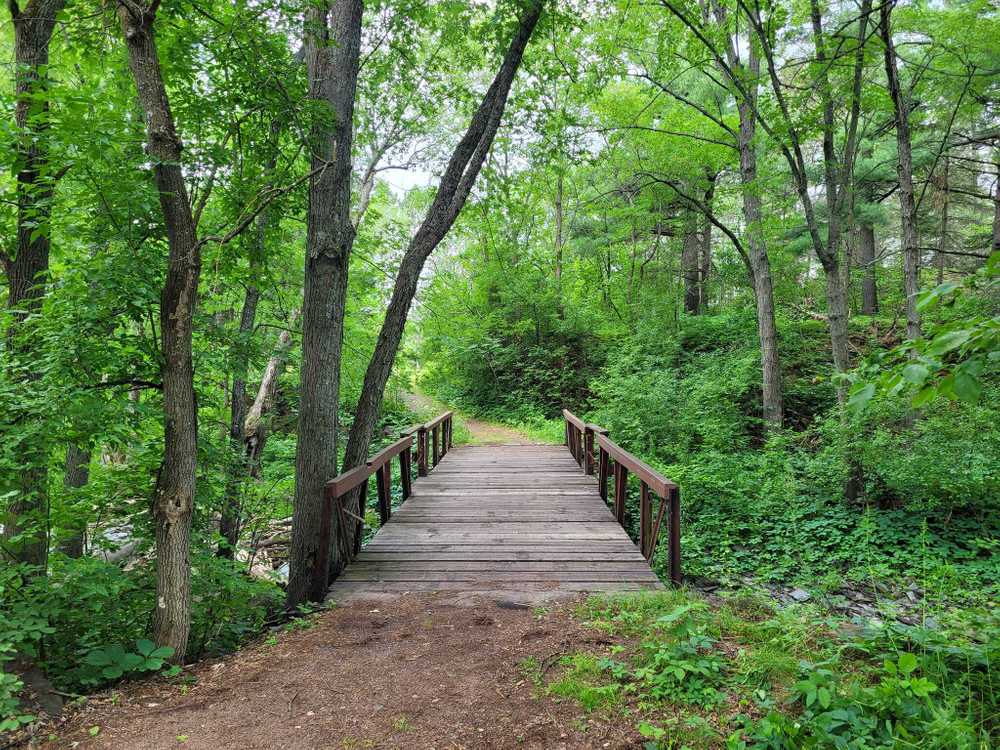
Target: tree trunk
[690,270]
[332,43]
[456,183]
[904,166]
[706,245]
[229,526]
[866,259]
[76,475]
[27,271]
[175,487]
[996,212]
[255,426]
[559,226]
[942,251]
[760,263]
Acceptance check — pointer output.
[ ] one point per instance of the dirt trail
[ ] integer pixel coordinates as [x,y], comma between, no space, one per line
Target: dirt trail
[482,432]
[417,671]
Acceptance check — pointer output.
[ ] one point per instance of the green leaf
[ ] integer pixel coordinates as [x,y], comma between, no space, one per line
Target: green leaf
[915,373]
[97,658]
[907,663]
[163,652]
[824,697]
[967,387]
[144,646]
[924,396]
[946,342]
[860,398]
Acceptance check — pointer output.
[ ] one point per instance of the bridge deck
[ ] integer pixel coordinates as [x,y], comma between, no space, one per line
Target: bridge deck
[500,518]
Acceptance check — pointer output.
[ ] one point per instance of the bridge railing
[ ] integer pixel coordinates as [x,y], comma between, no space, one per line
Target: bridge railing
[433,441]
[613,462]
[426,443]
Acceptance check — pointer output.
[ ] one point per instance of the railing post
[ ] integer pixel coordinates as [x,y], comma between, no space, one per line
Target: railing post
[588,450]
[602,474]
[404,473]
[645,519]
[359,528]
[434,441]
[621,485]
[422,451]
[675,536]
[321,566]
[383,485]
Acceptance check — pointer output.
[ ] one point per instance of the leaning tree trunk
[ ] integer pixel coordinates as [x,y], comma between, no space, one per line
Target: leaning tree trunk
[28,269]
[175,488]
[456,183]
[904,166]
[255,426]
[332,58]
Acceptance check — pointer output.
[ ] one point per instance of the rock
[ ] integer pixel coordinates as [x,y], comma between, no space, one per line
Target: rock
[799,595]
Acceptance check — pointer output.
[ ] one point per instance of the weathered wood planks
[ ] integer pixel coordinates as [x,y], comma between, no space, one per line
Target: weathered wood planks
[499,519]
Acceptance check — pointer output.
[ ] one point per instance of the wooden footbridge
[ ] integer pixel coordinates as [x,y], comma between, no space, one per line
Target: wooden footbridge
[507,518]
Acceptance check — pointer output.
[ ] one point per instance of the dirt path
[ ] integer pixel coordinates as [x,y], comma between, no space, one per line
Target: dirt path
[481,432]
[411,672]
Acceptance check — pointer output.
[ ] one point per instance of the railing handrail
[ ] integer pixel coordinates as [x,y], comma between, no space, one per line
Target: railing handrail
[351,479]
[658,483]
[379,466]
[573,419]
[436,421]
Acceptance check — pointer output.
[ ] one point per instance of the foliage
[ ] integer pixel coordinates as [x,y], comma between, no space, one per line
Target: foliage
[795,678]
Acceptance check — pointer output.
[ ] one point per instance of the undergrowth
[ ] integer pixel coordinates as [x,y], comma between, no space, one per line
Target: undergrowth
[741,674]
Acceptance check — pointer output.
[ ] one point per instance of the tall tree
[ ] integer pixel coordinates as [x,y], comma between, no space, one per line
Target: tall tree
[173,503]
[332,47]
[27,268]
[904,166]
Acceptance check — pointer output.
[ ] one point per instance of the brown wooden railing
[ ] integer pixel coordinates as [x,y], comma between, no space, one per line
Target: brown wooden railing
[428,443]
[439,432]
[612,461]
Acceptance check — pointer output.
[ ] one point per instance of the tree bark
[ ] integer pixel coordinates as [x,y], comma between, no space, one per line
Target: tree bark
[904,167]
[706,245]
[942,249]
[332,44]
[27,271]
[559,226]
[745,91]
[229,525]
[866,258]
[456,183]
[75,476]
[690,266]
[996,212]
[175,488]
[255,426]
